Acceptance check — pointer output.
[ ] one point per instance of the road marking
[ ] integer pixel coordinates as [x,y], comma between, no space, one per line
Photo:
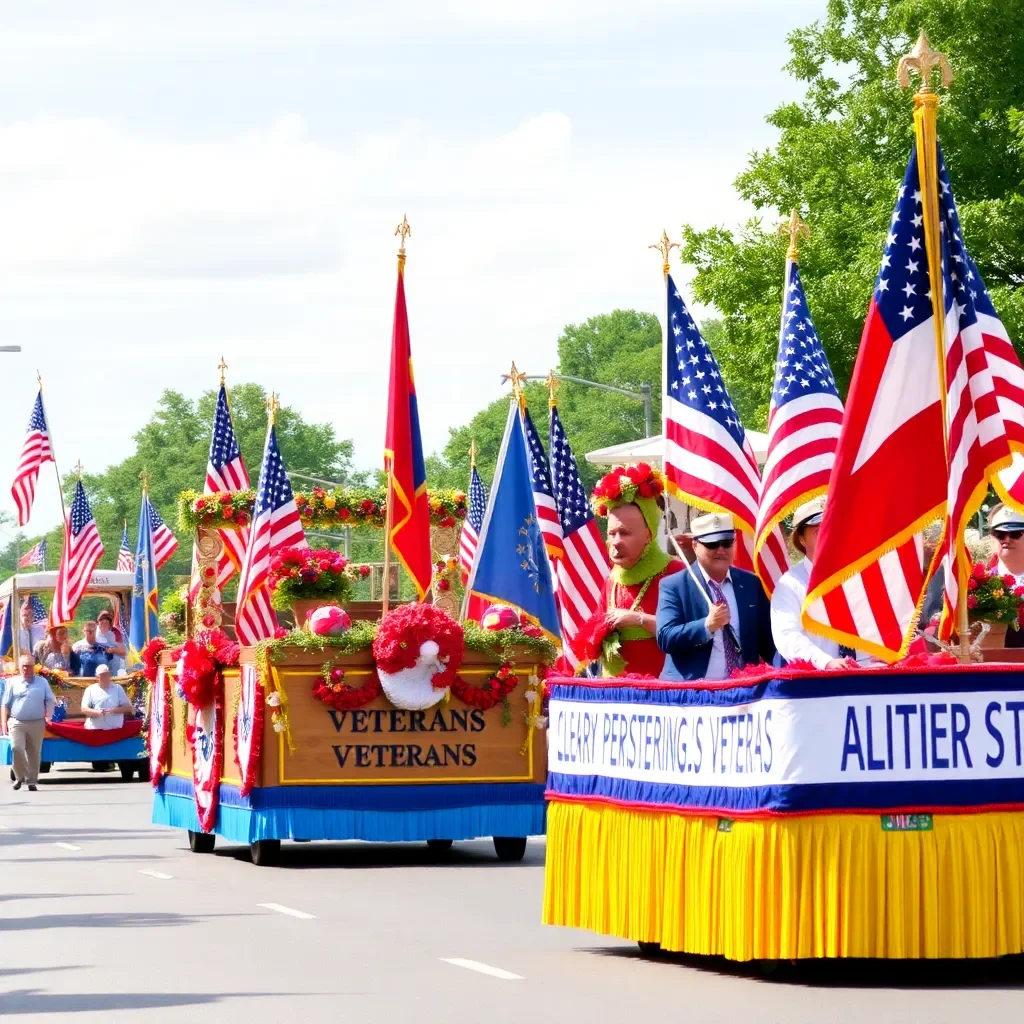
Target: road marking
[475,965]
[154,874]
[67,846]
[287,910]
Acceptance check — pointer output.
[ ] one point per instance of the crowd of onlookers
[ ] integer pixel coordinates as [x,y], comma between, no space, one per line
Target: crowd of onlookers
[102,643]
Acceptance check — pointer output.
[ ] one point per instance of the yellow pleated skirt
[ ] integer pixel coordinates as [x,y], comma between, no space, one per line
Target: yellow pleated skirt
[786,888]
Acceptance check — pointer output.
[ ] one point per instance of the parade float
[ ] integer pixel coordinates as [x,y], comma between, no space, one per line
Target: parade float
[411,729]
[790,813]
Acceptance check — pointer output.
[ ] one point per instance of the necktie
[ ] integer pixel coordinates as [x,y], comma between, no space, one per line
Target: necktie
[732,654]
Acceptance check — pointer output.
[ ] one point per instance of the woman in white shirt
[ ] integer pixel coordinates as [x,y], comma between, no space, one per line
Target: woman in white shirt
[104,702]
[792,641]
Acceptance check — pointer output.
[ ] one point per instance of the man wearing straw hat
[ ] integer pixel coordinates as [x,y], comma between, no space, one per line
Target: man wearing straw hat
[714,618]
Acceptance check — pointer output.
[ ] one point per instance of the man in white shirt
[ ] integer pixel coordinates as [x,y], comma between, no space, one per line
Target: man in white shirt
[29,632]
[791,640]
[104,702]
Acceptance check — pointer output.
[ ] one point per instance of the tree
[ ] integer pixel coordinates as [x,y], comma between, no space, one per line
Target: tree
[621,348]
[841,157]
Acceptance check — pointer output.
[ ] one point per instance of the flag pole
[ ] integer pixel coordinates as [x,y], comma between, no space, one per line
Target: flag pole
[145,478]
[925,61]
[53,454]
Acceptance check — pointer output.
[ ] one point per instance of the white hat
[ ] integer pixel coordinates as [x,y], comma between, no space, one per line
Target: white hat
[1006,518]
[712,527]
[810,513]
[102,668]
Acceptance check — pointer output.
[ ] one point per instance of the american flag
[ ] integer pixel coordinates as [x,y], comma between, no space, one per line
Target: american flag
[583,567]
[469,536]
[891,456]
[34,452]
[275,525]
[709,462]
[543,492]
[38,611]
[125,561]
[36,555]
[803,419]
[82,550]
[225,471]
[164,542]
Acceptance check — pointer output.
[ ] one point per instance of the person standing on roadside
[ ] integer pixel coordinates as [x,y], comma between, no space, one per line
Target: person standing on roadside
[27,709]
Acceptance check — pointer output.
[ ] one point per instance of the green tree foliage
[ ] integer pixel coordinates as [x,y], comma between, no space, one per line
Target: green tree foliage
[621,348]
[174,447]
[840,158]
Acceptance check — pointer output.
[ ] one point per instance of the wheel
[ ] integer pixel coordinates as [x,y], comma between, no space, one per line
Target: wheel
[127,770]
[768,968]
[650,948]
[201,842]
[510,848]
[439,845]
[143,770]
[44,767]
[265,852]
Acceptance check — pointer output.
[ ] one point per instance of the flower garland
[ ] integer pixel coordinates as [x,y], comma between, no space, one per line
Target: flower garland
[446,570]
[56,677]
[151,657]
[319,508]
[494,690]
[331,688]
[201,660]
[534,714]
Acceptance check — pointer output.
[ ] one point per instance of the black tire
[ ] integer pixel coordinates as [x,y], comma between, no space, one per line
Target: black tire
[439,845]
[127,770]
[201,842]
[44,767]
[265,852]
[768,968]
[510,848]
[651,949]
[143,770]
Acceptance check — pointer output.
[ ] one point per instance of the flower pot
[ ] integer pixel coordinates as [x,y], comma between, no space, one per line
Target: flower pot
[304,607]
[995,637]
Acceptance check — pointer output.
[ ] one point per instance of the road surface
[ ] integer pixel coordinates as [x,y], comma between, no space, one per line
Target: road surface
[110,918]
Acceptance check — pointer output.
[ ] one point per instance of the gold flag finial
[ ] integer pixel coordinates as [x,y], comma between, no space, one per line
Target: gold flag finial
[273,404]
[472,453]
[403,231]
[924,60]
[145,476]
[77,469]
[222,366]
[551,383]
[39,378]
[664,246]
[517,380]
[795,229]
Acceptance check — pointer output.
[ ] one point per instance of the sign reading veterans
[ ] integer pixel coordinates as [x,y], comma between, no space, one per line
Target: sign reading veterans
[873,741]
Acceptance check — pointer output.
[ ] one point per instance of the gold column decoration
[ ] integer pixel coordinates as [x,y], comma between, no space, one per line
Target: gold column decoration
[794,229]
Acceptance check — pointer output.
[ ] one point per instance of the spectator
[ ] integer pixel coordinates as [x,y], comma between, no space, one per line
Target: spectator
[27,709]
[29,632]
[105,703]
[89,652]
[55,650]
[106,636]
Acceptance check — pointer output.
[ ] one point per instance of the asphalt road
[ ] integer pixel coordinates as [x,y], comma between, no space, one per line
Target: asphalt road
[108,917]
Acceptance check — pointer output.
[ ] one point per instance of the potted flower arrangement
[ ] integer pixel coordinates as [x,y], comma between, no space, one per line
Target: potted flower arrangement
[305,579]
[993,599]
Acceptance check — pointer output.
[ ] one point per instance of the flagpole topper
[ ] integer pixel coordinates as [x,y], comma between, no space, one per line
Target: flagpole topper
[39,378]
[517,380]
[272,405]
[795,229]
[222,366]
[924,60]
[145,476]
[403,231]
[551,382]
[665,247]
[472,453]
[77,469]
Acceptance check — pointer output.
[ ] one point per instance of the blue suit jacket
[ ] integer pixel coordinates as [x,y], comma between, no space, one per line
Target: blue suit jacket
[683,636]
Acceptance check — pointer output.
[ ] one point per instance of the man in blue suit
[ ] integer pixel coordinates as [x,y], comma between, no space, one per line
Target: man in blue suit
[714,618]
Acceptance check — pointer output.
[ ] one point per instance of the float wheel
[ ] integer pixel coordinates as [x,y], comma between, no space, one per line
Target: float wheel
[44,767]
[127,770]
[143,770]
[650,948]
[201,842]
[265,852]
[439,845]
[510,848]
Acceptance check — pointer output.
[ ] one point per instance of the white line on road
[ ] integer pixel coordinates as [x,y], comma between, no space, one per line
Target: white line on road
[154,874]
[287,910]
[475,965]
[67,846]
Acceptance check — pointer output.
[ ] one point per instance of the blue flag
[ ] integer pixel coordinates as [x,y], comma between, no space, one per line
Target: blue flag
[511,565]
[6,630]
[144,622]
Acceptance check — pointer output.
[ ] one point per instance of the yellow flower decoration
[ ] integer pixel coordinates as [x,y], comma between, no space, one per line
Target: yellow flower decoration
[330,501]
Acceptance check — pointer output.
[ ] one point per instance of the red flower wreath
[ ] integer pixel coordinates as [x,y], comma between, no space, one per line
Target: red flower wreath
[151,657]
[200,664]
[406,629]
[493,691]
[331,688]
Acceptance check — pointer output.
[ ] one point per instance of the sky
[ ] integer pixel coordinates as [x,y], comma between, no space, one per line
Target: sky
[184,180]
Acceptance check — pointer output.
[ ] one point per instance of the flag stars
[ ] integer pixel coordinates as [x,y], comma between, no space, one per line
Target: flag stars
[906,312]
[914,243]
[908,289]
[912,266]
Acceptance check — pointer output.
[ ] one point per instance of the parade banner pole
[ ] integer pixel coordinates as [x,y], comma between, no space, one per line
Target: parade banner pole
[924,60]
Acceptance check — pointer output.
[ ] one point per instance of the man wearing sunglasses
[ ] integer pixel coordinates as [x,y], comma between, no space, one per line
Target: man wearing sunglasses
[714,618]
[1007,526]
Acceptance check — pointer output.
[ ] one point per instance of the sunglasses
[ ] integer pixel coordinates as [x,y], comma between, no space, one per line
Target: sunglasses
[716,544]
[1006,534]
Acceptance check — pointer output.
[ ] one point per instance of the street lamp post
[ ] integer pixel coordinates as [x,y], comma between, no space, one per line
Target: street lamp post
[643,395]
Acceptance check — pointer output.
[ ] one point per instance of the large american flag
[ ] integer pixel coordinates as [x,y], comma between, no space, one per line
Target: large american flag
[469,536]
[275,525]
[866,583]
[225,471]
[803,419]
[583,566]
[709,462]
[34,452]
[543,492]
[36,555]
[82,550]
[125,559]
[164,541]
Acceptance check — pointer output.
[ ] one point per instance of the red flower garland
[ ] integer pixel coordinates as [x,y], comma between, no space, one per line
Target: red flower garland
[406,629]
[493,691]
[151,657]
[624,484]
[331,688]
[200,662]
[248,774]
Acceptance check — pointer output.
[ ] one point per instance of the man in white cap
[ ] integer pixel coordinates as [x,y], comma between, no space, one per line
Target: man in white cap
[104,703]
[791,640]
[714,618]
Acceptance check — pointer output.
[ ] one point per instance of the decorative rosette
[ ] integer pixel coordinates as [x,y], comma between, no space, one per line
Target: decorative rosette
[624,485]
